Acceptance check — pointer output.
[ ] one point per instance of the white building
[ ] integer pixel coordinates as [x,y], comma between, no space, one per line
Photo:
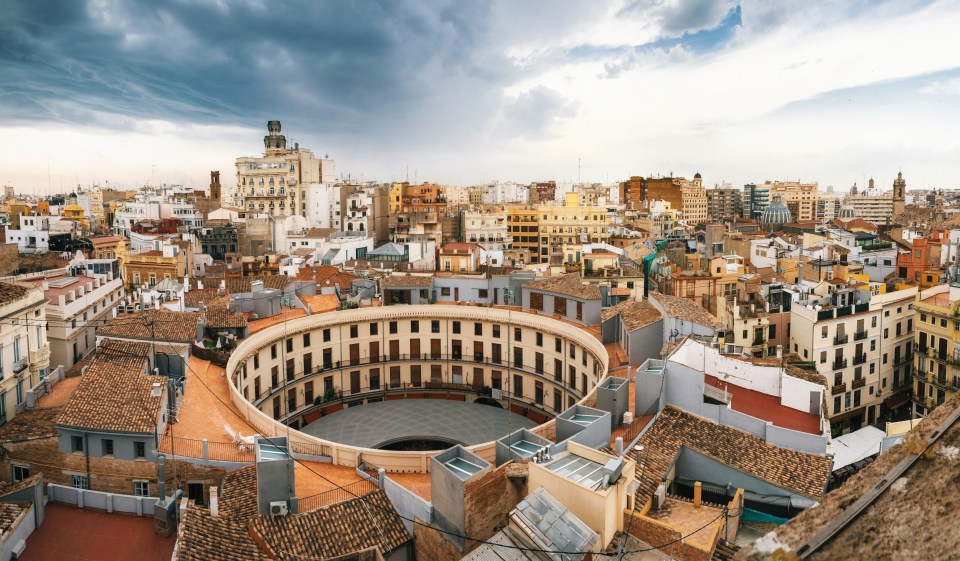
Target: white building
[35,231]
[323,205]
[488,228]
[24,349]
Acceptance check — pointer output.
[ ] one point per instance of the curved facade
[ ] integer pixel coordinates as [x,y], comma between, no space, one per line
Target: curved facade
[777,214]
[296,371]
[847,212]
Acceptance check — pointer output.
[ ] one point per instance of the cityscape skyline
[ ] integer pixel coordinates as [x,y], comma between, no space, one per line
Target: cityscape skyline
[131,93]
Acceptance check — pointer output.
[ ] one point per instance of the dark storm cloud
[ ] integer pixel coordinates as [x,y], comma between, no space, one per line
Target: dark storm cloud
[334,65]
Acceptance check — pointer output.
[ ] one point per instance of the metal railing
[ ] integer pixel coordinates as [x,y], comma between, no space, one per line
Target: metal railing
[334,496]
[839,339]
[859,358]
[839,388]
[839,363]
[859,335]
[858,383]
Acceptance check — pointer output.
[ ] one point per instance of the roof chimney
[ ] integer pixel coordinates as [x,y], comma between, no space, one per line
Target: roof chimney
[214,502]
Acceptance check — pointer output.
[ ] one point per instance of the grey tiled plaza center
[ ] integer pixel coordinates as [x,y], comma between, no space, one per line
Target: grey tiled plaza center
[373,424]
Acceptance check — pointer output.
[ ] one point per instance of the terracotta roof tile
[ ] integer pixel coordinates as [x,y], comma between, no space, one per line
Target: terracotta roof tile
[403,281]
[155,324]
[10,292]
[326,275]
[634,314]
[569,284]
[11,515]
[206,538]
[242,285]
[687,310]
[114,394]
[335,530]
[32,424]
[195,297]
[239,496]
[805,474]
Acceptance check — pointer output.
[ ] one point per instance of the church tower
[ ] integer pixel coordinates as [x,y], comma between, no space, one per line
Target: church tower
[899,194]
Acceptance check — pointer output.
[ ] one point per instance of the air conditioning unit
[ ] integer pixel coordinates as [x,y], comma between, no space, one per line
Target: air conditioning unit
[660,497]
[278,508]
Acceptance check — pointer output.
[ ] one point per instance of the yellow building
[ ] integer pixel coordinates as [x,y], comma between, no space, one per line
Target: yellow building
[800,198]
[937,342]
[75,214]
[569,224]
[523,222]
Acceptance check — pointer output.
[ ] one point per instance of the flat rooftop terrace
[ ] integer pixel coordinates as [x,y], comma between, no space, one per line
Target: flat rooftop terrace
[374,424]
[767,407]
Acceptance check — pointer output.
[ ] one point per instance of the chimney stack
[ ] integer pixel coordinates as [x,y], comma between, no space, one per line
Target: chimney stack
[214,502]
[697,490]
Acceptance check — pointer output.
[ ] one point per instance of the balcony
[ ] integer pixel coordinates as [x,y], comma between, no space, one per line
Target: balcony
[900,361]
[859,358]
[860,335]
[840,339]
[838,389]
[839,363]
[20,365]
[858,383]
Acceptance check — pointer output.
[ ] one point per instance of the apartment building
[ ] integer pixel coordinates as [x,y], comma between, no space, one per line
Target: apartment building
[800,198]
[486,227]
[756,198]
[419,215]
[859,342]
[523,222]
[723,202]
[78,301]
[937,343]
[689,198]
[24,349]
[568,225]
[276,183]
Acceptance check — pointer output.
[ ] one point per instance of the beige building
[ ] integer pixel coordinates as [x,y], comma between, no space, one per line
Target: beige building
[874,208]
[800,198]
[276,183]
[486,227]
[569,224]
[858,342]
[24,349]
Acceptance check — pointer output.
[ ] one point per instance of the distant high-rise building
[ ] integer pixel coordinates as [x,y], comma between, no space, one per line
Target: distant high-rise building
[756,198]
[723,202]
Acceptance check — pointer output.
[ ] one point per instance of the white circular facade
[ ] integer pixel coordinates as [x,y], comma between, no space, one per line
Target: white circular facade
[301,370]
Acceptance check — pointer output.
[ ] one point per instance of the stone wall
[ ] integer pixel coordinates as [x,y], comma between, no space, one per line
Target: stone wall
[487,501]
[655,534]
[431,544]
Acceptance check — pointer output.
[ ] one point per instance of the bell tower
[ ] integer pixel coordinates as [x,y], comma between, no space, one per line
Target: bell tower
[274,143]
[899,194]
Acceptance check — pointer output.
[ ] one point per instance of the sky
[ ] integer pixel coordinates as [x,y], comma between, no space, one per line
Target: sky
[126,92]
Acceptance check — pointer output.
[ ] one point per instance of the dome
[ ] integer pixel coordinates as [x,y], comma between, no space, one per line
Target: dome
[847,212]
[776,214]
[697,175]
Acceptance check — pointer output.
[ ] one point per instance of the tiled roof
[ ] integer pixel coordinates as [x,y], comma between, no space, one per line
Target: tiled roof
[242,285]
[206,538]
[155,324]
[319,303]
[32,424]
[396,281]
[114,394]
[239,496]
[687,310]
[634,314]
[193,298]
[9,488]
[569,284]
[10,514]
[457,247]
[326,275]
[218,315]
[804,474]
[805,374]
[10,292]
[335,530]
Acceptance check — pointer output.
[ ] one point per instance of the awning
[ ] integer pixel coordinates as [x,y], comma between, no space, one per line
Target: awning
[896,400]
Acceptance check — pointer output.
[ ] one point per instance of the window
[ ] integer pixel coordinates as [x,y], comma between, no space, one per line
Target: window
[536,301]
[456,327]
[141,489]
[290,345]
[557,345]
[308,392]
[20,473]
[76,443]
[374,329]
[274,376]
[836,404]
[823,357]
[445,291]
[80,482]
[482,293]
[559,306]
[392,327]
[435,326]
[326,335]
[823,332]
[517,334]
[478,329]
[539,339]
[306,340]
[496,331]
[414,326]
[374,378]
[273,351]
[354,332]
[139,449]
[518,358]
[256,361]
[773,332]
[873,321]
[579,310]
[107,446]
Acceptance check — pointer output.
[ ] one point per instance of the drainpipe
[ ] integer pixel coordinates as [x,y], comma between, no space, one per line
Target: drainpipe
[163,483]
[86,454]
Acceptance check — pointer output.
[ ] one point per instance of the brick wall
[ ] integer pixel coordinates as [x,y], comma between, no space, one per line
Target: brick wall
[487,501]
[655,534]
[108,475]
[431,544]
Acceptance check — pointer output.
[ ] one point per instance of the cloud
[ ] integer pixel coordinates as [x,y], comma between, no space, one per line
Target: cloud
[679,17]
[942,87]
[535,113]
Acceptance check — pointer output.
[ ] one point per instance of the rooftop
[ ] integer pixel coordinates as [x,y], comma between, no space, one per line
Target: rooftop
[326,275]
[320,303]
[10,292]
[634,314]
[406,281]
[153,325]
[687,310]
[569,284]
[242,285]
[115,393]
[804,474]
[766,407]
[32,424]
